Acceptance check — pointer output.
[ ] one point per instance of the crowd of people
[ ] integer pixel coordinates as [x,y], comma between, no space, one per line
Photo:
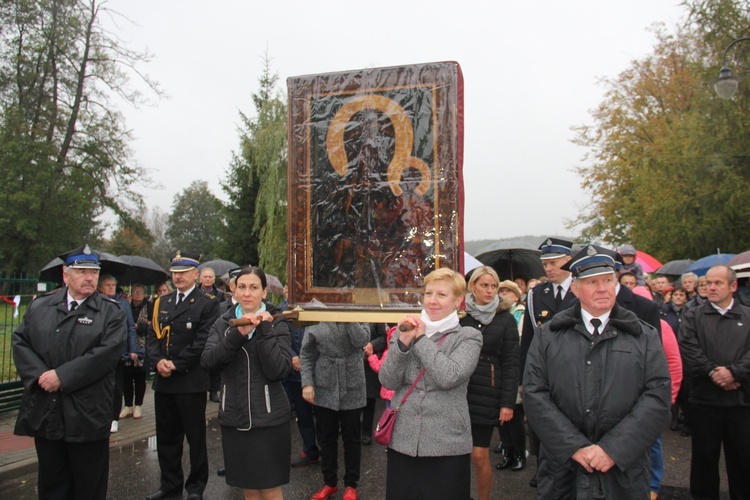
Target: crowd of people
[588,362]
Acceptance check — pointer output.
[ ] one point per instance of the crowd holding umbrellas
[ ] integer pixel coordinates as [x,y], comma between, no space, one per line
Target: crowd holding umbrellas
[132,269]
[524,262]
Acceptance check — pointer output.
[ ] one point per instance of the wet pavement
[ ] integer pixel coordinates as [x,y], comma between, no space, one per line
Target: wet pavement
[134,469]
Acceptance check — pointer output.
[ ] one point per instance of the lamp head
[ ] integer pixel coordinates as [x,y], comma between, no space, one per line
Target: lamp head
[726,85]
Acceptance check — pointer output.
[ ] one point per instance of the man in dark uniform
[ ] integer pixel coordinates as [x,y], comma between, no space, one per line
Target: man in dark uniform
[66,350]
[543,302]
[548,298]
[176,340]
[597,390]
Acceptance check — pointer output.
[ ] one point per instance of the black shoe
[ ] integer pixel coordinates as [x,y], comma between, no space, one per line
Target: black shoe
[532,483]
[674,425]
[366,440]
[195,496]
[686,431]
[159,494]
[214,396]
[506,459]
[221,471]
[499,449]
[519,462]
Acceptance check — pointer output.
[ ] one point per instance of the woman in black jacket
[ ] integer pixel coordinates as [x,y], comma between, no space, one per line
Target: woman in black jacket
[494,385]
[254,411]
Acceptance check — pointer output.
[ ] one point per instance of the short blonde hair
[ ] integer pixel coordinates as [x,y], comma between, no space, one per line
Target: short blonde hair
[455,280]
[481,271]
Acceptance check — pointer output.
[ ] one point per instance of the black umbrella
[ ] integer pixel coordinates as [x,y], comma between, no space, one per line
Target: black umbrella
[674,267]
[219,266]
[110,264]
[512,263]
[142,270]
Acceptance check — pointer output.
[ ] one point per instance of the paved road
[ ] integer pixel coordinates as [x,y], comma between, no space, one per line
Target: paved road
[134,472]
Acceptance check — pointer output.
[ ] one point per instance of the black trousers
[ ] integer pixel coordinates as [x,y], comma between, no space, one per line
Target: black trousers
[328,422]
[117,399]
[513,433]
[134,388]
[72,471]
[305,418]
[368,415]
[714,426]
[180,416]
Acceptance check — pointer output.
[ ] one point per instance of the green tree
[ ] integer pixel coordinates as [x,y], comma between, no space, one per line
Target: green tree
[667,165]
[256,184]
[64,154]
[196,220]
[132,237]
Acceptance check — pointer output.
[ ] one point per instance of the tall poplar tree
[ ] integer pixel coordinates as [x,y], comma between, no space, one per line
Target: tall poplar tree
[256,184]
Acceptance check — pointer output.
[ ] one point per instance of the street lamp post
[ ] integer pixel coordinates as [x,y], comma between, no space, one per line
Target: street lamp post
[726,84]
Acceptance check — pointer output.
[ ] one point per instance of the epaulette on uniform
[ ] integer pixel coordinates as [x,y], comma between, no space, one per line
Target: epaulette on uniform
[109,299]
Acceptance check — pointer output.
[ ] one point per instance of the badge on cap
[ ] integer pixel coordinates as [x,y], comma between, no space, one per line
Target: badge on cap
[591,250]
[86,250]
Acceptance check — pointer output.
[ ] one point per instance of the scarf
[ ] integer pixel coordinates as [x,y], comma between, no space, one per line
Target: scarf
[238,314]
[432,327]
[484,314]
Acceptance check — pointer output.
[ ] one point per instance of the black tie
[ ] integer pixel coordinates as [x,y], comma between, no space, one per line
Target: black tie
[596,323]
[180,298]
[558,296]
[73,305]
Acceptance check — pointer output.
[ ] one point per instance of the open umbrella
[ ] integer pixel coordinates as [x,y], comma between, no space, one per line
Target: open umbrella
[219,266]
[740,261]
[512,263]
[702,265]
[648,263]
[674,267]
[274,284]
[110,264]
[142,270]
[470,263]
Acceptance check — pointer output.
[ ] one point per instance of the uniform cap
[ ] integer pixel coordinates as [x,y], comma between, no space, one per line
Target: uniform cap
[592,260]
[81,258]
[553,248]
[184,261]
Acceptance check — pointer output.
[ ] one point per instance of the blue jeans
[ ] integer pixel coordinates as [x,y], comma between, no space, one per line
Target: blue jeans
[657,465]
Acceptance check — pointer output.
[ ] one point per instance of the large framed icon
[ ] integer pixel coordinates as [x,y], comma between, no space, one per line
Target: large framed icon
[375,184]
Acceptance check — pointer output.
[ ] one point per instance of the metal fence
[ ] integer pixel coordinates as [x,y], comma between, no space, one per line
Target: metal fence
[16,292]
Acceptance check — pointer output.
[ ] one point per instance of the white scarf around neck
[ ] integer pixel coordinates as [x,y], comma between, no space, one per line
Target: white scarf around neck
[432,327]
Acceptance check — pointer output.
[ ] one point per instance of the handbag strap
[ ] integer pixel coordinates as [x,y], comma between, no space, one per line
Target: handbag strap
[419,377]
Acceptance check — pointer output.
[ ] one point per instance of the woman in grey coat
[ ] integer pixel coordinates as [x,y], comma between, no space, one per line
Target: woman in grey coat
[333,379]
[430,449]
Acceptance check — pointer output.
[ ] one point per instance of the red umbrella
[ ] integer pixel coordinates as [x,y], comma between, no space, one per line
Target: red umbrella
[648,263]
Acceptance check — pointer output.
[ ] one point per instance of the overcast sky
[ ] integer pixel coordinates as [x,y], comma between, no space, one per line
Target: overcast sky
[530,73]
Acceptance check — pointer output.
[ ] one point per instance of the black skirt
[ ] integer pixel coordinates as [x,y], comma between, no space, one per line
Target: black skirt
[259,458]
[427,478]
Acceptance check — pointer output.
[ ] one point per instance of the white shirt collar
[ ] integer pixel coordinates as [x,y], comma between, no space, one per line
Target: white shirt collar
[723,311]
[565,285]
[604,318]
[71,299]
[186,293]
